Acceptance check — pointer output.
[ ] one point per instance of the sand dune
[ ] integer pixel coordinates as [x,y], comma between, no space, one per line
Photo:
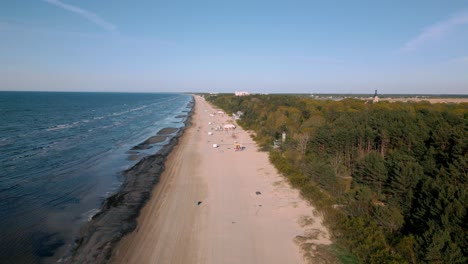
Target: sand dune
[218,205]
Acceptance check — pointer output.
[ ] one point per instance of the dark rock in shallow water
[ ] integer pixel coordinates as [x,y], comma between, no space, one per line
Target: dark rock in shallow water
[119,212]
[147,143]
[167,131]
[134,157]
[141,146]
[155,139]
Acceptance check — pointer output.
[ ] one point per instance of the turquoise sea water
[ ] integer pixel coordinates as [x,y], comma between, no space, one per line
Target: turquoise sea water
[61,154]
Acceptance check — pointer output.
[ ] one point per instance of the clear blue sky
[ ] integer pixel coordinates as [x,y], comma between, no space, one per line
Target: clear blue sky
[222,46]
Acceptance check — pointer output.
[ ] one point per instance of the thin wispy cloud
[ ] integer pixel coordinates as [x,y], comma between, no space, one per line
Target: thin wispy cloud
[90,16]
[12,28]
[436,31]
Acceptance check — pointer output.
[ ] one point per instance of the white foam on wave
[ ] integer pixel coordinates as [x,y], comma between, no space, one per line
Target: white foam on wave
[129,111]
[138,108]
[60,127]
[119,113]
[6,141]
[70,125]
[89,214]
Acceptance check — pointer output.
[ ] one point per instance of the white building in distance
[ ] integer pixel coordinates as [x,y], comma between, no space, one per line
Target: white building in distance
[241,93]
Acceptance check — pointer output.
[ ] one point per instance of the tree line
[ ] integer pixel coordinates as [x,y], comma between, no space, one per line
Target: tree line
[390,178]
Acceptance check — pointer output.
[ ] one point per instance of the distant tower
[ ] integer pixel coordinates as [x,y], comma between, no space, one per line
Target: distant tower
[376,98]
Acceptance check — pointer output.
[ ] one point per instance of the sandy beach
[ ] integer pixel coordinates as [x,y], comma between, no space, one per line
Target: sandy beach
[219,205]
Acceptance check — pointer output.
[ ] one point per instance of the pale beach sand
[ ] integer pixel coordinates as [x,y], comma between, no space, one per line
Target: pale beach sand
[232,224]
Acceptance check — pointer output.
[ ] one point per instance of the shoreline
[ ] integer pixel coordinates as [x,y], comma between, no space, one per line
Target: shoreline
[219,205]
[118,213]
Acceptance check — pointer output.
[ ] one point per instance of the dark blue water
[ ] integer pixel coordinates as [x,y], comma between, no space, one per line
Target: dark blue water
[61,154]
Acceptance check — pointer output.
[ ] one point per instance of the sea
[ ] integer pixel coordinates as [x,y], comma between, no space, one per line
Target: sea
[62,154]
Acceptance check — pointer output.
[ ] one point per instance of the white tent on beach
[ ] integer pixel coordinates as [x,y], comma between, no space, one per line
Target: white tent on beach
[229,126]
